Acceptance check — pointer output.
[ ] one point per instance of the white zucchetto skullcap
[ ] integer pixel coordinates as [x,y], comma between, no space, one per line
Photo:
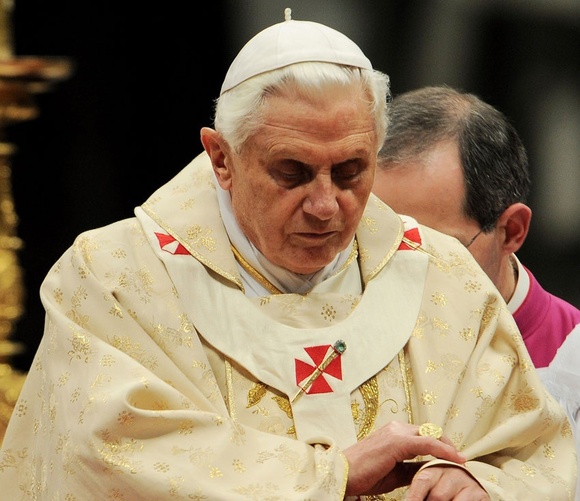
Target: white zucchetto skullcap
[292,42]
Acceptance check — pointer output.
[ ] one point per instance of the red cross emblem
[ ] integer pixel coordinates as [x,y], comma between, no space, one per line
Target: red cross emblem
[413,236]
[326,360]
[170,244]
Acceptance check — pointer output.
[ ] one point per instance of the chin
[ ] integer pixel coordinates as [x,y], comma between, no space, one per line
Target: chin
[315,263]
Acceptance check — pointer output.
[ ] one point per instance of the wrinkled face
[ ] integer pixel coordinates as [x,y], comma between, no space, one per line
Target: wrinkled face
[431,189]
[301,184]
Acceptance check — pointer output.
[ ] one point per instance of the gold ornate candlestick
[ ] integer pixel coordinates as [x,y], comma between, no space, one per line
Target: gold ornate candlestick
[20,79]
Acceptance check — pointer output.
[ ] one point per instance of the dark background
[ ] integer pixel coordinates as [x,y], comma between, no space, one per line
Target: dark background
[145,77]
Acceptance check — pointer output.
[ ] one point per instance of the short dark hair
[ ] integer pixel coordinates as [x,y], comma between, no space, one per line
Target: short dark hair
[493,156]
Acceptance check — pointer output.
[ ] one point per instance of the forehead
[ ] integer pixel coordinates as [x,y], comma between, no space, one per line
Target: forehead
[335,121]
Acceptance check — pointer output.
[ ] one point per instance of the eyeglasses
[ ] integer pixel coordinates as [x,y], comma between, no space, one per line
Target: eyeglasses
[474,237]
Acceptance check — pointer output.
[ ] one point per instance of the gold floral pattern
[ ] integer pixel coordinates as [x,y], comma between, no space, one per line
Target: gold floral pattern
[126,393]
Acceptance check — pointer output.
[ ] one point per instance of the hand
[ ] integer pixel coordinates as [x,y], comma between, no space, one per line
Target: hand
[376,462]
[445,483]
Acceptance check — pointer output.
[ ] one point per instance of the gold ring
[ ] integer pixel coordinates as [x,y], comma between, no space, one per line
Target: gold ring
[430,430]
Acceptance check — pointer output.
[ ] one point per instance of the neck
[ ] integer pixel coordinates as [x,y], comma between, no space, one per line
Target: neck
[510,278]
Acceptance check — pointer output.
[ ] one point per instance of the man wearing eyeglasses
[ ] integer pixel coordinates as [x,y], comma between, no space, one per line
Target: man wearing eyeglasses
[456,164]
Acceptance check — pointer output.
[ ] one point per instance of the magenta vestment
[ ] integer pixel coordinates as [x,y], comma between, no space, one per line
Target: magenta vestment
[544,321]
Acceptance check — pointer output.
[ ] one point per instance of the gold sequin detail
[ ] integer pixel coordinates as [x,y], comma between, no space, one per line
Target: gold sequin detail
[328,312]
[439,299]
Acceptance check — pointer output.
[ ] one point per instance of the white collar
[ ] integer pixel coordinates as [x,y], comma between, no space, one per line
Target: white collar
[522,287]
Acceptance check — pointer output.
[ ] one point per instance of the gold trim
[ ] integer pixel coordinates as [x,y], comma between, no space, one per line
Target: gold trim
[352,256]
[269,286]
[389,254]
[230,402]
[417,247]
[256,275]
[406,383]
[346,470]
[212,266]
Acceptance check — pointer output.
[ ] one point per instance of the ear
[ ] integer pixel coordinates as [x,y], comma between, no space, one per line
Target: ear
[516,222]
[219,154]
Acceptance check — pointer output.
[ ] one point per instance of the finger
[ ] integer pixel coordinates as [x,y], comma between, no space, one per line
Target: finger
[434,431]
[422,484]
[404,472]
[401,475]
[445,482]
[441,449]
[472,495]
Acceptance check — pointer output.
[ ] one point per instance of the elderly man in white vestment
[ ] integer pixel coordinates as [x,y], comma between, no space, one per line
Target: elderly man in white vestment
[265,328]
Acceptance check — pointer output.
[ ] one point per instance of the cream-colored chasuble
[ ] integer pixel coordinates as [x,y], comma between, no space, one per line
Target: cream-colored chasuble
[156,377]
[272,351]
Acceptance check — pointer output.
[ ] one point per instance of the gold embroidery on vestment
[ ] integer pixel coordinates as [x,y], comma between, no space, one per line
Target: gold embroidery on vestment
[269,286]
[370,394]
[230,403]
[257,391]
[369,389]
[405,375]
[255,274]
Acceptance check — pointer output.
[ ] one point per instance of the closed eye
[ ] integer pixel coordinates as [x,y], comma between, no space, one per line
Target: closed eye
[347,173]
[291,174]
[292,179]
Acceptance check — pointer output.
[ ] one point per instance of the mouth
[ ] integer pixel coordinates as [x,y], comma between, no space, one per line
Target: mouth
[317,236]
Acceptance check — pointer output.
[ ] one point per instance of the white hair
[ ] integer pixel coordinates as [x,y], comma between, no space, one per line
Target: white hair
[238,112]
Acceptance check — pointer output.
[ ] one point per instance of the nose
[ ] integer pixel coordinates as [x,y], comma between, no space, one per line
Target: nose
[321,200]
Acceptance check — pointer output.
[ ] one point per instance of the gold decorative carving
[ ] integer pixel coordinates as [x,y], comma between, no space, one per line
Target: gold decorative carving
[20,79]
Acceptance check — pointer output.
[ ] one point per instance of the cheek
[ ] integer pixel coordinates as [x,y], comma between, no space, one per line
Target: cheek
[268,212]
[354,202]
[250,199]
